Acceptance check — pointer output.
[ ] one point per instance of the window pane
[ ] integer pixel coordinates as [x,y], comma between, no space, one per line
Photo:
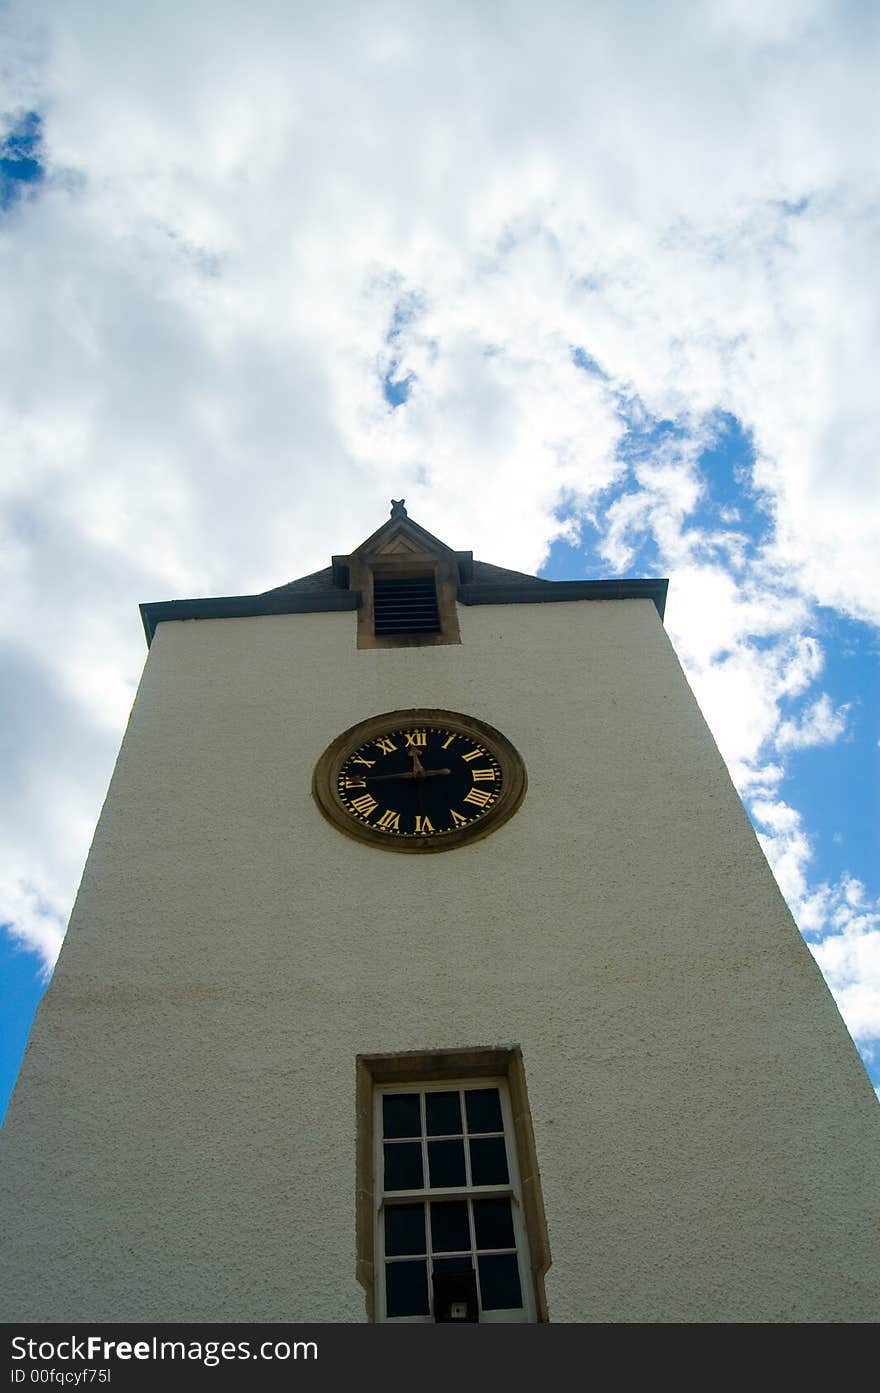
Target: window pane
[406,1288]
[499,1283]
[453,1264]
[483,1107]
[443,1113]
[403,1166]
[488,1161]
[446,1163]
[405,1230]
[493,1222]
[400,1115]
[450,1230]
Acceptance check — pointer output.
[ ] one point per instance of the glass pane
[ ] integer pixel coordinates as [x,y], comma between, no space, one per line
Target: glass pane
[453,1264]
[446,1163]
[403,1166]
[499,1283]
[493,1222]
[483,1106]
[450,1230]
[406,1288]
[443,1112]
[405,1230]
[401,1115]
[488,1161]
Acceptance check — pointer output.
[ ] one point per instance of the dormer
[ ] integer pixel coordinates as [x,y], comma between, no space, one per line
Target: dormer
[409,582]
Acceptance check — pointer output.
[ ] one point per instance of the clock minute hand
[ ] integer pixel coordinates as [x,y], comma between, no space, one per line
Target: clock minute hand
[407,774]
[375,778]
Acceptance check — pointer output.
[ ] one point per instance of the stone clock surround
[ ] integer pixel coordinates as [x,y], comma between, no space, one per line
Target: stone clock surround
[513,778]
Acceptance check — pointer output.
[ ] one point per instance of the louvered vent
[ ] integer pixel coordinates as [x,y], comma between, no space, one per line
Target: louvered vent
[405,606]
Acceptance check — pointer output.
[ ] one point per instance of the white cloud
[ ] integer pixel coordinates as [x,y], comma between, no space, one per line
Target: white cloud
[788,849]
[820,724]
[32,923]
[849,956]
[747,658]
[841,922]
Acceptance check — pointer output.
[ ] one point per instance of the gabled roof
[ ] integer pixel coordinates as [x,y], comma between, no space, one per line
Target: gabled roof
[482,573]
[480,583]
[400,534]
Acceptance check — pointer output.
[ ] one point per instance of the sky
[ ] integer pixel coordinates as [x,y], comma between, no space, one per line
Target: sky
[592,285]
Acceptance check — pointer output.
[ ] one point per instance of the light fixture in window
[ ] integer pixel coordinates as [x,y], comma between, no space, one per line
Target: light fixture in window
[455,1295]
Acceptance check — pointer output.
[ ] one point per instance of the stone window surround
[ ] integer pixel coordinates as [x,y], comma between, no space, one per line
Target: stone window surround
[444,570]
[420,1067]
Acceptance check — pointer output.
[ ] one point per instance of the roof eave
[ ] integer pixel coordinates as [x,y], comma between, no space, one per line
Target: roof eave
[327,601]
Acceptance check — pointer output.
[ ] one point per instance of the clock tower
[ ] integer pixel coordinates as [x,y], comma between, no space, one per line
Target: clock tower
[425,967]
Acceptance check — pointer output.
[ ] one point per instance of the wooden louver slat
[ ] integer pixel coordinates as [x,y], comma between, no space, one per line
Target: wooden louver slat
[405,605]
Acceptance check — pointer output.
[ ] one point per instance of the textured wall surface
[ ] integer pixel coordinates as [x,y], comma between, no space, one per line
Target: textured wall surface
[181,1142]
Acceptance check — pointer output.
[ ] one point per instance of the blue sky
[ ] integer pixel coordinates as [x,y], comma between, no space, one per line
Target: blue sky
[595,290]
[22,973]
[20,167]
[21,986]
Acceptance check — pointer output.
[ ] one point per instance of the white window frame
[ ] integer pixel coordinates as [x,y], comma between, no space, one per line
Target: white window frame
[512,1189]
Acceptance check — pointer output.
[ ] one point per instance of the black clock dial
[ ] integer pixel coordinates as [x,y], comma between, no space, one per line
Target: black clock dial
[419,781]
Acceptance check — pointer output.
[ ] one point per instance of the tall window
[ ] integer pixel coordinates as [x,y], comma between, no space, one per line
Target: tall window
[450,1237]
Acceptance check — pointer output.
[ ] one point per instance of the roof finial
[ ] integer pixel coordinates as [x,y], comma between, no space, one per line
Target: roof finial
[397,508]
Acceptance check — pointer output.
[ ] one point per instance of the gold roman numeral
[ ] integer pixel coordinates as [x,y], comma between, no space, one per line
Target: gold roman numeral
[354,783]
[447,743]
[479,796]
[474,754]
[358,759]
[415,737]
[365,804]
[423,824]
[389,821]
[457,818]
[386,746]
[481,775]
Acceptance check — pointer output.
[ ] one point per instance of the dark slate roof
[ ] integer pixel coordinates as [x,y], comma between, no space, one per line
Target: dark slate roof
[491,585]
[486,574]
[480,584]
[318,580]
[483,574]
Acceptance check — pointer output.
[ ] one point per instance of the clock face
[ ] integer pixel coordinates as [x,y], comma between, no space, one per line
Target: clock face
[419,780]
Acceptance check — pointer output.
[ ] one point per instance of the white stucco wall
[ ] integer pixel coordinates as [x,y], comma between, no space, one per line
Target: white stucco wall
[181,1142]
